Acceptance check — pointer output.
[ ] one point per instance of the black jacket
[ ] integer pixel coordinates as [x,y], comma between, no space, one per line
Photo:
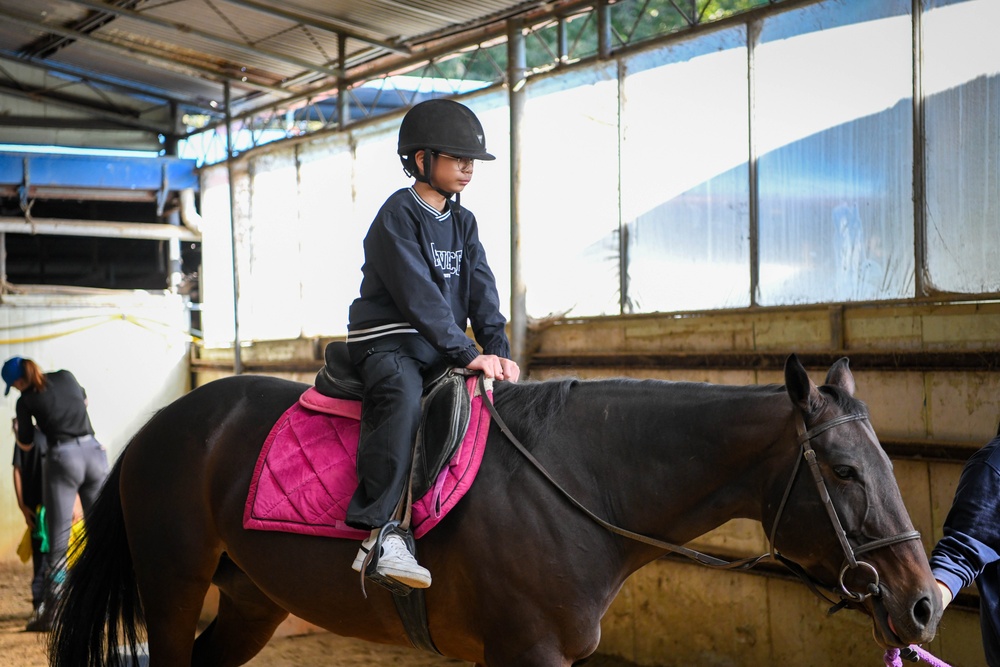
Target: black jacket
[425,273]
[970,548]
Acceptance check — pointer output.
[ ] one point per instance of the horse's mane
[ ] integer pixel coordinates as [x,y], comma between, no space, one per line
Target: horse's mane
[530,408]
[527,407]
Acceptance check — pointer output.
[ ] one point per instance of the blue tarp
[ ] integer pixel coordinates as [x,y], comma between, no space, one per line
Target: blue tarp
[98,172]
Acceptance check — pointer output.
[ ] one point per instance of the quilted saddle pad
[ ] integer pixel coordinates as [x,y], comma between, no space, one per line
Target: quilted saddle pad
[306,472]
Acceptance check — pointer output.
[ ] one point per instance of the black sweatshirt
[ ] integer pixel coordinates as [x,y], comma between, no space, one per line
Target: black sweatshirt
[425,273]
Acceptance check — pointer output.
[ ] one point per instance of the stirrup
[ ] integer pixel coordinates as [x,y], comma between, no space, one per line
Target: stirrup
[369,568]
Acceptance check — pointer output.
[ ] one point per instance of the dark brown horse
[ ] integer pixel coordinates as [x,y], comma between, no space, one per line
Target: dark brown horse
[521,575]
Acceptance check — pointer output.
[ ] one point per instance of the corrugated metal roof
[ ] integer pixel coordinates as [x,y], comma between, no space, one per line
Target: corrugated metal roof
[180,54]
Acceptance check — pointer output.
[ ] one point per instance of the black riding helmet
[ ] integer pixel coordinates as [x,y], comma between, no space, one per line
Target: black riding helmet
[440,126]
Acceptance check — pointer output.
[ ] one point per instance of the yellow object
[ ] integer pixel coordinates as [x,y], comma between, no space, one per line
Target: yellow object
[77,540]
[24,548]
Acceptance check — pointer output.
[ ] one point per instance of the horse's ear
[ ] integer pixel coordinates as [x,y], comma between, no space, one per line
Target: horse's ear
[801,389]
[840,375]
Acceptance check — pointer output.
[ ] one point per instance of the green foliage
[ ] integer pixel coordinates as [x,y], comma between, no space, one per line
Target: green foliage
[632,22]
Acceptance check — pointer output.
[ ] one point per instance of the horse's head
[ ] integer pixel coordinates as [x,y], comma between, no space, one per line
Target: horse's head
[861,543]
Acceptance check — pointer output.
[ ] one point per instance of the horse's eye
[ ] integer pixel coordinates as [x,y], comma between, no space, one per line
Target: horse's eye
[844,472]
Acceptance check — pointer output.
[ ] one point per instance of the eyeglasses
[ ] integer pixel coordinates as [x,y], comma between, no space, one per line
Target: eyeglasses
[463,163]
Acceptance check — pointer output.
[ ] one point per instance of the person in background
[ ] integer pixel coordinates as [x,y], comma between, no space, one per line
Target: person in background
[75,463]
[28,489]
[970,548]
[424,279]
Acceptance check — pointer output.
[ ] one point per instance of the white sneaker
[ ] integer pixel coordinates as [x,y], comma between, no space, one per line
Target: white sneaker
[395,562]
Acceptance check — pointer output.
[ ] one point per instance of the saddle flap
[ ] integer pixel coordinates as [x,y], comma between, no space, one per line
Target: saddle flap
[339,378]
[447,408]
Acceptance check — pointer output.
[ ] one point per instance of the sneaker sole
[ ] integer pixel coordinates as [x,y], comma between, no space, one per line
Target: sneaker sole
[411,579]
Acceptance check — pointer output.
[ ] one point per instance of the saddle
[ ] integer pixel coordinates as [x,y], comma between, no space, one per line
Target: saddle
[444,420]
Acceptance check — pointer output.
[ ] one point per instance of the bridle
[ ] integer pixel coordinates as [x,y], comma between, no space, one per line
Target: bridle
[805,436]
[851,554]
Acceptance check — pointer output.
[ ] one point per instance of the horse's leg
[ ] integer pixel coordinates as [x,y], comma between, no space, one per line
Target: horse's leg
[246,620]
[175,548]
[172,599]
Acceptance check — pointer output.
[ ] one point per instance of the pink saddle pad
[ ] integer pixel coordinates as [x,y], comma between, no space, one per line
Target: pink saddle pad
[306,472]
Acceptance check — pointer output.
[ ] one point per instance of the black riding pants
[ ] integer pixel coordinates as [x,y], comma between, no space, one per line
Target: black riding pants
[392,369]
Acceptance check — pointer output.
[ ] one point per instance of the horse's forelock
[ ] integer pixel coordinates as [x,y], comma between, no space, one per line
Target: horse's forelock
[844,400]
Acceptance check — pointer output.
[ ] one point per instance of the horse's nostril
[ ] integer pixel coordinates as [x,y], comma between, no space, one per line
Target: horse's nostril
[922,611]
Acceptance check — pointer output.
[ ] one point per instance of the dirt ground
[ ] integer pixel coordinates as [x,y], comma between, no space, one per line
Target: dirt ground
[27,649]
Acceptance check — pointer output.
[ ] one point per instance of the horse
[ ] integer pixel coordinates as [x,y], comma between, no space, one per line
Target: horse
[607,476]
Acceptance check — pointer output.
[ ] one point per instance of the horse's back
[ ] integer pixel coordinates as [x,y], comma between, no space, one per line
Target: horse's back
[192,423]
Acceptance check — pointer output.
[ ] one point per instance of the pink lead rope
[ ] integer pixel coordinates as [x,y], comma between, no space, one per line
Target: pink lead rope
[894,657]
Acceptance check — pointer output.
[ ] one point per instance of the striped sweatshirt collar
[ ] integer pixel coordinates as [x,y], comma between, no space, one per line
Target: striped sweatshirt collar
[438,215]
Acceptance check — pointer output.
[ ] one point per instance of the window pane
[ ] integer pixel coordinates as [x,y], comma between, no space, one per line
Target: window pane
[331,243]
[217,252]
[685,183]
[962,121]
[569,194]
[833,129]
[270,283]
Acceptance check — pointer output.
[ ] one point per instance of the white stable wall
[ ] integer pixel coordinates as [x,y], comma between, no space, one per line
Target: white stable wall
[129,350]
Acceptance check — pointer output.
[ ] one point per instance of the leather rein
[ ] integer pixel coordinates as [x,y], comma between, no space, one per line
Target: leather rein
[805,436]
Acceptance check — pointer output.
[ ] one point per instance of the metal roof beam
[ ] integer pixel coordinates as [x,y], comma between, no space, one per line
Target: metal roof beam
[40,95]
[194,70]
[144,17]
[47,45]
[91,79]
[39,122]
[326,23]
[436,48]
[97,228]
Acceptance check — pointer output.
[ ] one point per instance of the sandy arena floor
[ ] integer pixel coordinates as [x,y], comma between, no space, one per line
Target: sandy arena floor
[27,649]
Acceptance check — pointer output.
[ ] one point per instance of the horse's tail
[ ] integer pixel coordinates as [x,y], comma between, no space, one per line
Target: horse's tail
[98,608]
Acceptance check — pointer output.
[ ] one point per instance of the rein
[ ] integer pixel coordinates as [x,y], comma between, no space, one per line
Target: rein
[808,454]
[704,559]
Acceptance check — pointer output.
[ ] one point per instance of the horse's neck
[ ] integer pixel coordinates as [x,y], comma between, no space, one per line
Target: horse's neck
[683,459]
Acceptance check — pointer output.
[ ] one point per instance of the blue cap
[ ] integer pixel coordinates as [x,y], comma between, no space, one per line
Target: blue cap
[13,370]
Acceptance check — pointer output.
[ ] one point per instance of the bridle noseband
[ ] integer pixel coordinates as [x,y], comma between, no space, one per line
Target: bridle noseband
[805,437]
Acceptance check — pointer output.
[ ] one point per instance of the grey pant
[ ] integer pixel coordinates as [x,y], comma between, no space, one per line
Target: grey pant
[75,467]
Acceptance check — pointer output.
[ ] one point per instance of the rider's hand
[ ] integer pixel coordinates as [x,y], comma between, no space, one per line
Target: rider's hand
[495,367]
[511,371]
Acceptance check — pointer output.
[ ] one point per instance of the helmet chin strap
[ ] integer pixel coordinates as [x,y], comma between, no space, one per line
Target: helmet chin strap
[426,178]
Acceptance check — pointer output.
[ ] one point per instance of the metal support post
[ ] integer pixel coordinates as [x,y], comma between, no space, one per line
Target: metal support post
[516,76]
[237,359]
